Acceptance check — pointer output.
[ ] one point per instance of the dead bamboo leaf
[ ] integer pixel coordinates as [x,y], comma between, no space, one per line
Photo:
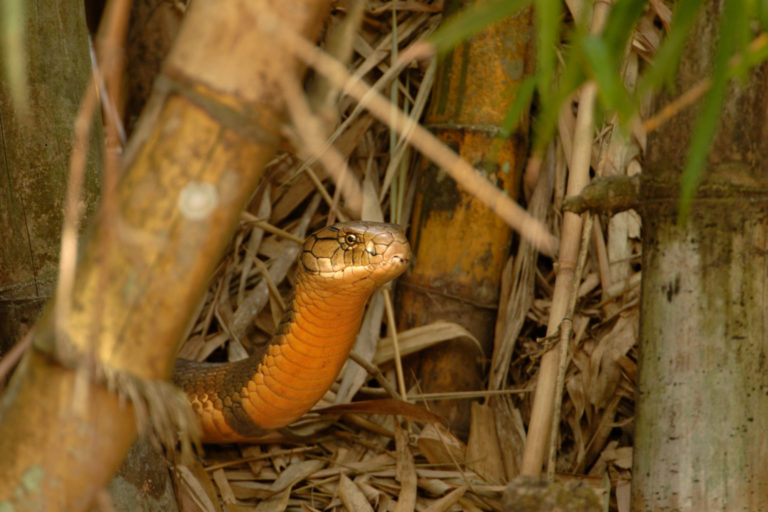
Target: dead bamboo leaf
[419,338]
[352,497]
[623,497]
[604,366]
[196,487]
[251,490]
[483,453]
[379,462]
[510,430]
[406,472]
[257,234]
[224,489]
[447,501]
[365,347]
[297,472]
[257,298]
[276,503]
[432,443]
[434,486]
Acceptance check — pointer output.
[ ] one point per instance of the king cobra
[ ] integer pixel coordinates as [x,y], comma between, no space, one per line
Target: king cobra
[340,267]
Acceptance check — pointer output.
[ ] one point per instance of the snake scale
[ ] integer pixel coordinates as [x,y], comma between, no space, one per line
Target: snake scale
[339,268]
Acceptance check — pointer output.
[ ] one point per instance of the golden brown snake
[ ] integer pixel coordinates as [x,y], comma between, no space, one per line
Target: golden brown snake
[340,266]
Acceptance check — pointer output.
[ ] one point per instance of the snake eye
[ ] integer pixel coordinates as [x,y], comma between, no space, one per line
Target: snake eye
[351,239]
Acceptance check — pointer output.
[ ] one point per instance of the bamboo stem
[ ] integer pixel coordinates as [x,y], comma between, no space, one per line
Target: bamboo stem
[544,400]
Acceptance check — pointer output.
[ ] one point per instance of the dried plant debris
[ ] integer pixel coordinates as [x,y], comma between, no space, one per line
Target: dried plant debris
[373,457]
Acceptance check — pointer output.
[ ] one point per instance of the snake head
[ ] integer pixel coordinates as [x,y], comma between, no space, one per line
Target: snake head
[357,252]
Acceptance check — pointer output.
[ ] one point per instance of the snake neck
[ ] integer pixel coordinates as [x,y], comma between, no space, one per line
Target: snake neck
[322,312]
[307,353]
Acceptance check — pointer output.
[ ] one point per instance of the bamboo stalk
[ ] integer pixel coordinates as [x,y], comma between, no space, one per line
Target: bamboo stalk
[542,410]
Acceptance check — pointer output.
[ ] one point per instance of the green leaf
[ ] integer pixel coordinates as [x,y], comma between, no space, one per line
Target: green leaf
[571,79]
[750,59]
[618,29]
[14,52]
[548,14]
[521,104]
[762,13]
[461,26]
[603,64]
[734,19]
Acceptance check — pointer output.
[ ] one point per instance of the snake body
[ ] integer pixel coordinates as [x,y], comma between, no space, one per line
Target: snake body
[340,266]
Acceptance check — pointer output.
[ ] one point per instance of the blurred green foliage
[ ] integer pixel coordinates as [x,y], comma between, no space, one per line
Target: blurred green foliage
[14,56]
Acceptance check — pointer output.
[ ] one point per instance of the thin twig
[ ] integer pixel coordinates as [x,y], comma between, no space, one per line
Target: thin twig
[374,371]
[395,345]
[68,255]
[269,228]
[255,458]
[12,356]
[268,277]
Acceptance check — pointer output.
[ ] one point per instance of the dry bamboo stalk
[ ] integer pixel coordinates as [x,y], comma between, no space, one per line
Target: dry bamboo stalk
[166,244]
[565,340]
[542,410]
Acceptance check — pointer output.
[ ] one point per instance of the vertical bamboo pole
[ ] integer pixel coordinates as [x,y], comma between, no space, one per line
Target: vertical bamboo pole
[578,177]
[460,245]
[195,158]
[700,438]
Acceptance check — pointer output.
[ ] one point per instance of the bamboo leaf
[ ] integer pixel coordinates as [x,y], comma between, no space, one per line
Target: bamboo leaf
[548,31]
[571,79]
[618,29]
[521,104]
[461,26]
[603,64]
[762,13]
[14,53]
[756,55]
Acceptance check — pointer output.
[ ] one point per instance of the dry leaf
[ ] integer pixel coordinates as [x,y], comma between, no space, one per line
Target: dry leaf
[276,503]
[419,338]
[365,346]
[352,497]
[447,501]
[196,488]
[483,453]
[510,430]
[623,497]
[406,472]
[432,443]
[224,489]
